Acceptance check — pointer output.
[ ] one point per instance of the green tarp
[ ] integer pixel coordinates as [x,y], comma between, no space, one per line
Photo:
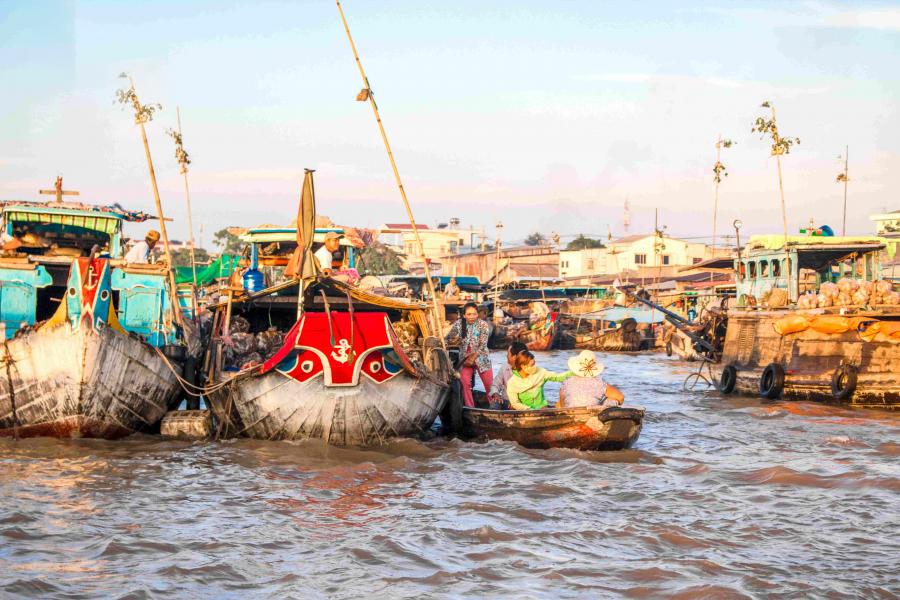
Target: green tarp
[206,274]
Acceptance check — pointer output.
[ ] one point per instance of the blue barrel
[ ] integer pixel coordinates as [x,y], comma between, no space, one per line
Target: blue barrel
[254,281]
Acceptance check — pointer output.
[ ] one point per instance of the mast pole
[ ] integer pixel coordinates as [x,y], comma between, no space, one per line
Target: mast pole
[187,197]
[366,94]
[176,309]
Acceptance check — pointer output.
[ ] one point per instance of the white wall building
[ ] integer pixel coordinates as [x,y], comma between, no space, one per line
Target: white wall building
[631,253]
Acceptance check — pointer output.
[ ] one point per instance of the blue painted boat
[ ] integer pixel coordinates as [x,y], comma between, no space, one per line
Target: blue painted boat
[92,346]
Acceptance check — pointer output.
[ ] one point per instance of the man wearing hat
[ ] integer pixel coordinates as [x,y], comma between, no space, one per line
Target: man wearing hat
[140,252]
[587,388]
[324,254]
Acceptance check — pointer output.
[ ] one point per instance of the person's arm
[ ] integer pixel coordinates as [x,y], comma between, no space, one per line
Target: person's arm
[483,338]
[550,376]
[512,390]
[499,382]
[612,393]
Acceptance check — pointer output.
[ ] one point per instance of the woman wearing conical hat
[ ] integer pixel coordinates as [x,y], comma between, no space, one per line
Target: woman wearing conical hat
[586,387]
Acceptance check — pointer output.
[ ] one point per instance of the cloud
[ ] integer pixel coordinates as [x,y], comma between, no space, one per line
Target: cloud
[818,15]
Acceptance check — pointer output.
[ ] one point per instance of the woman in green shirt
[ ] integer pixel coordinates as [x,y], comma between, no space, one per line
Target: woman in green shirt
[526,387]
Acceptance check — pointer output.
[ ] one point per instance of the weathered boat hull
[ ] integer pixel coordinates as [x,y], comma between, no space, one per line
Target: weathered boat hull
[809,359]
[274,407]
[625,338]
[534,339]
[581,428]
[86,383]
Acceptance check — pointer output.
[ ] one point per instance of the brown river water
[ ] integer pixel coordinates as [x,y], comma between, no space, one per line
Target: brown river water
[720,498]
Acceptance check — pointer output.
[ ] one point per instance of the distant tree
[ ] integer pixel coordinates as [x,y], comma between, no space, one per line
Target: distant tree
[182,258]
[379,259]
[228,242]
[583,243]
[535,239]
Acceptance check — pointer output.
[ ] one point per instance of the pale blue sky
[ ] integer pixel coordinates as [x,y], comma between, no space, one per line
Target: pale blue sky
[543,114]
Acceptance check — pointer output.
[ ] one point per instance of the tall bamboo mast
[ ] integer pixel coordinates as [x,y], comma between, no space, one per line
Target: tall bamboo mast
[141,116]
[366,94]
[183,161]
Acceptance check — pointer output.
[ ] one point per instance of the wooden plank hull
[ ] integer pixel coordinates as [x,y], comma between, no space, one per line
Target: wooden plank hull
[581,428]
[535,339]
[273,406]
[63,383]
[809,359]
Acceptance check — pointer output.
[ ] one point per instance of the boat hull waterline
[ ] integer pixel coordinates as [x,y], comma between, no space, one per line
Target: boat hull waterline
[97,383]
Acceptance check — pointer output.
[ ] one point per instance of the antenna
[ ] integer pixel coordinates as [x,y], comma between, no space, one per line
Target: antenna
[626,218]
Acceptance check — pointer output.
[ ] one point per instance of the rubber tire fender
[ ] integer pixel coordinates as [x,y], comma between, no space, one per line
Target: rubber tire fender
[771,382]
[728,379]
[849,376]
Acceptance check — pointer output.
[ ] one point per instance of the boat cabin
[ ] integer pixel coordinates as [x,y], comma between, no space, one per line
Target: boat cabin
[41,241]
[807,263]
[270,249]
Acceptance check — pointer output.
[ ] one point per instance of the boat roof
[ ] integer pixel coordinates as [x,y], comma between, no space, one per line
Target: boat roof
[285,234]
[74,209]
[817,243]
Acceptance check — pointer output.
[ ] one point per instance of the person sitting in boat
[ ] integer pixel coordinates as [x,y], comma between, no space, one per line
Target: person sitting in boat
[331,260]
[473,334]
[526,387]
[140,252]
[586,387]
[498,397]
[451,290]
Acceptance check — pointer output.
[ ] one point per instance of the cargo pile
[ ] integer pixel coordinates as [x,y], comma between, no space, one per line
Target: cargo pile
[850,292]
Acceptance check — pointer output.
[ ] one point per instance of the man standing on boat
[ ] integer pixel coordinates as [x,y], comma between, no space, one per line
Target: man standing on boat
[140,252]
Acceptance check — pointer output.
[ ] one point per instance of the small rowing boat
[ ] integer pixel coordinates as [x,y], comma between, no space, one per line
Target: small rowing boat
[581,428]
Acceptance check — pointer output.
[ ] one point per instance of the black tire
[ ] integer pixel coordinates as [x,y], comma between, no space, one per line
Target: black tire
[843,382]
[771,382]
[728,379]
[669,348]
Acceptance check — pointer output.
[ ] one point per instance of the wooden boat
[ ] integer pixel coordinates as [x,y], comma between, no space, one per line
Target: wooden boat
[831,353]
[535,339]
[103,362]
[581,428]
[355,369]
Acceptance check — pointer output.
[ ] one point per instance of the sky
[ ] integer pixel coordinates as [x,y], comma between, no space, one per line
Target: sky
[540,115]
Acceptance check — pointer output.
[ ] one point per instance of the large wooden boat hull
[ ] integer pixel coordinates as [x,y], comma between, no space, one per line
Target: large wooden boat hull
[581,428]
[274,407]
[809,359]
[87,383]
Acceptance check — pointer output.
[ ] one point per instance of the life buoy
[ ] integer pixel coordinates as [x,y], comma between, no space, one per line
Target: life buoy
[728,379]
[771,382]
[843,382]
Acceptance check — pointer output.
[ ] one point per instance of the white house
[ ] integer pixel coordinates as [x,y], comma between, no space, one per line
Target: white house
[632,253]
[887,224]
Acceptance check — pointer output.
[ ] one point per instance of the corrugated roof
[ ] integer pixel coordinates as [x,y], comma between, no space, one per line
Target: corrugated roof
[403,226]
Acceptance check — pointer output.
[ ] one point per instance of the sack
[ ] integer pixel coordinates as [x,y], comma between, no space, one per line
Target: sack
[791,324]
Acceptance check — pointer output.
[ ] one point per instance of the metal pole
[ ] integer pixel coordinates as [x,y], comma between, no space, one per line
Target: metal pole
[846,180]
[387,146]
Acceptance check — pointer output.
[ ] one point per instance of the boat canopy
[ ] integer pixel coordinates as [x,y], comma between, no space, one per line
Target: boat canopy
[464,282]
[264,235]
[825,243]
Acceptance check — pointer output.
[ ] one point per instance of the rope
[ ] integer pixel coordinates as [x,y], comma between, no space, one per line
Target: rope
[693,380]
[200,391]
[352,328]
[328,312]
